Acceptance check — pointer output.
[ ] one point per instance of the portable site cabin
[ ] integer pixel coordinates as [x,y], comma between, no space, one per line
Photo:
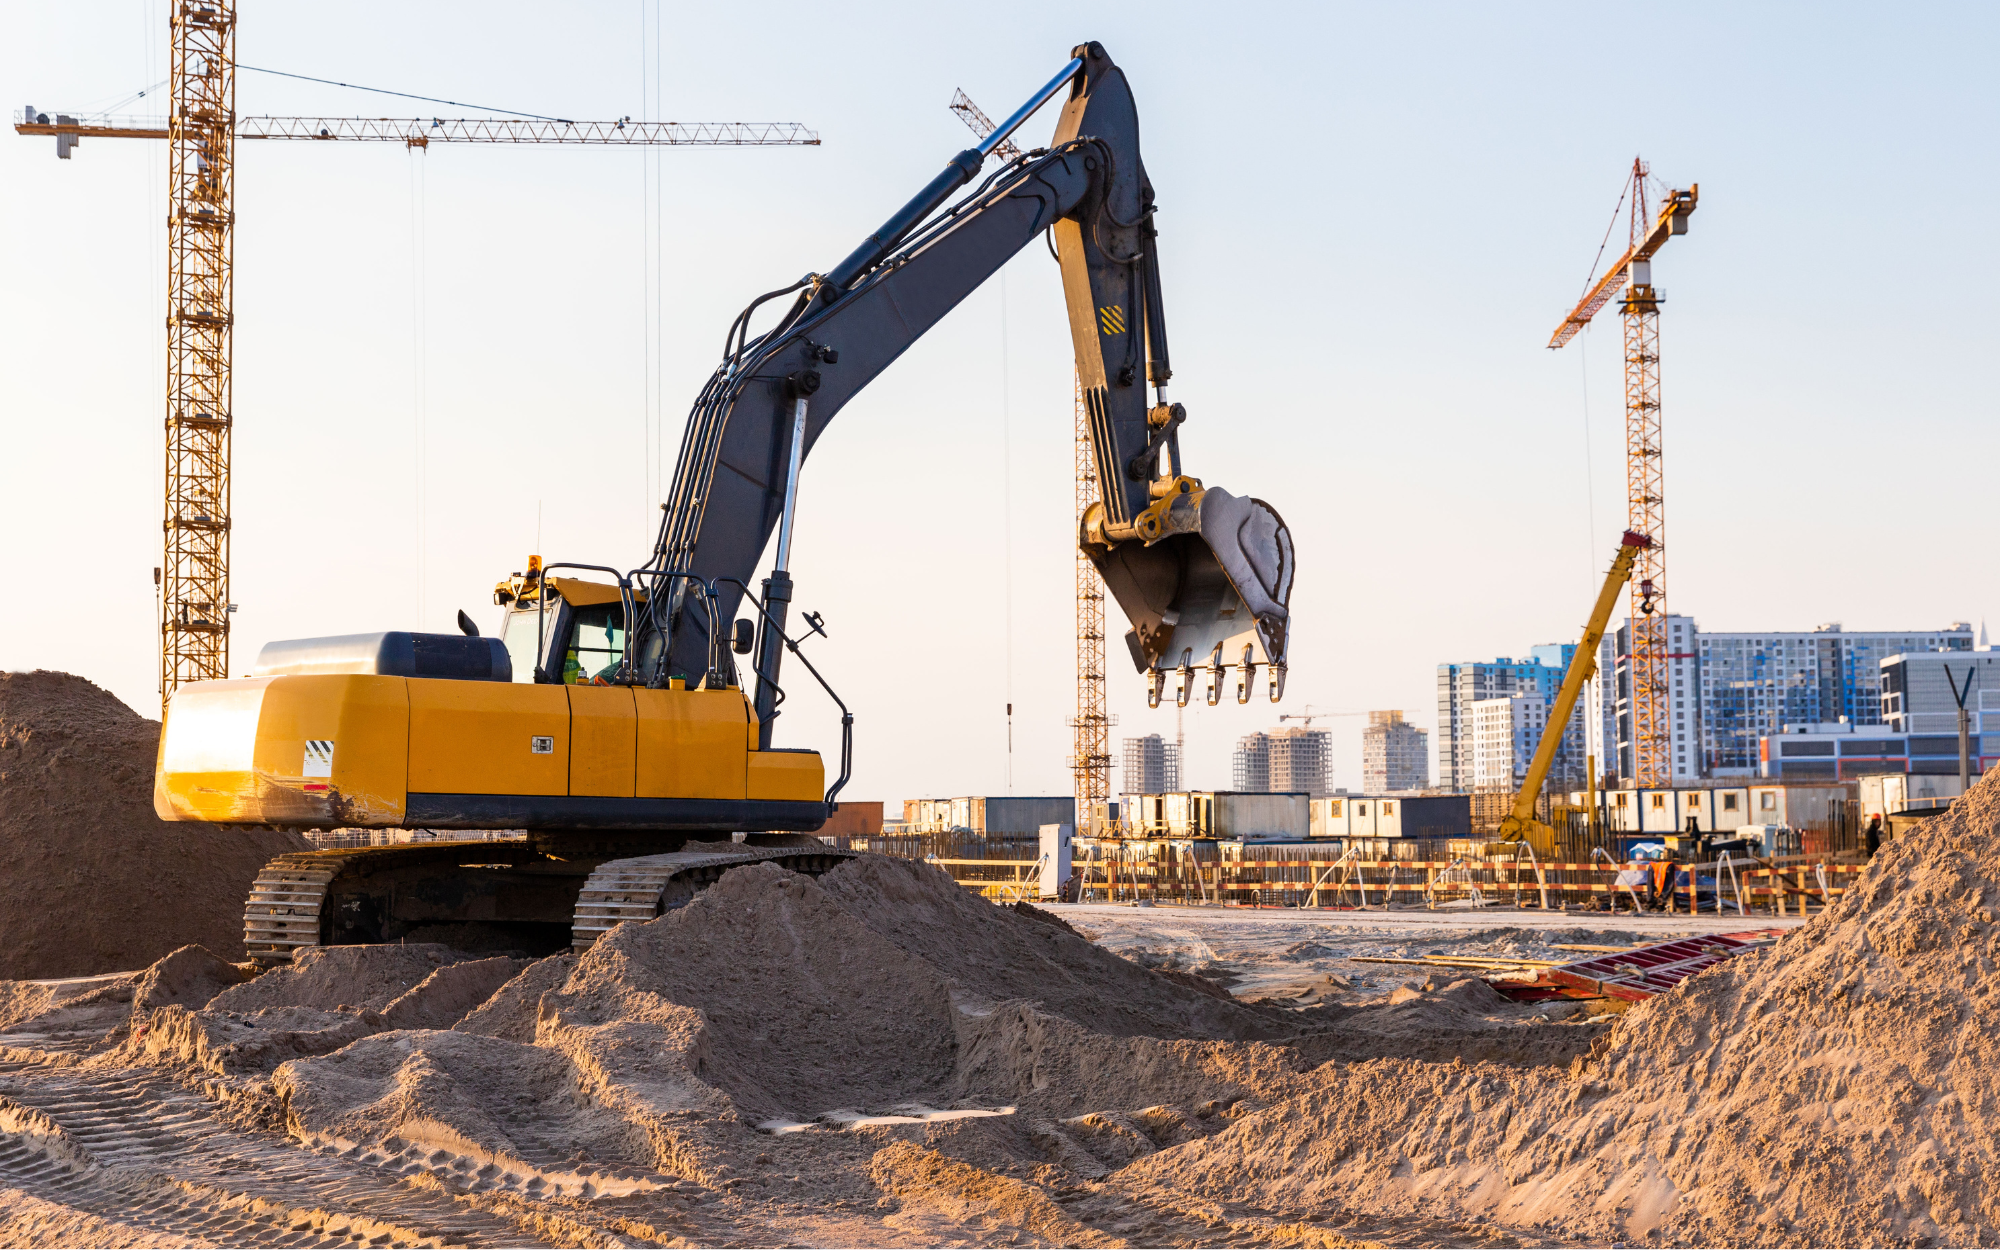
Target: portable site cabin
[1392,816]
[997,816]
[1665,811]
[1218,814]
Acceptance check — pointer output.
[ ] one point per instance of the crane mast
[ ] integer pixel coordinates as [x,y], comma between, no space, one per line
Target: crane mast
[1090,726]
[1630,280]
[201,208]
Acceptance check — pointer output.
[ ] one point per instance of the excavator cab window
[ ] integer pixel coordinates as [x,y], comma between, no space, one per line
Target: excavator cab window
[597,644]
[519,636]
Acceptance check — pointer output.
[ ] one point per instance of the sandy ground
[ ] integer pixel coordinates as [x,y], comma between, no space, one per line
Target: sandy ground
[874,1059]
[878,1057]
[1283,954]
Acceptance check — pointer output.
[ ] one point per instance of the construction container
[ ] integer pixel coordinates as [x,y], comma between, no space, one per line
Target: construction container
[1250,817]
[1000,816]
[1398,816]
[1016,816]
[1717,809]
[854,820]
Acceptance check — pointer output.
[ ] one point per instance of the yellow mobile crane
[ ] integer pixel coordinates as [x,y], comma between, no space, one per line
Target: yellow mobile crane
[1521,824]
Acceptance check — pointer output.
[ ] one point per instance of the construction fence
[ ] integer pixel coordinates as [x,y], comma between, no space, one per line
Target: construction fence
[1585,872]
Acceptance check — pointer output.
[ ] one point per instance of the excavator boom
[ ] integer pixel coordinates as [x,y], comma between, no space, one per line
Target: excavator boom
[1204,576]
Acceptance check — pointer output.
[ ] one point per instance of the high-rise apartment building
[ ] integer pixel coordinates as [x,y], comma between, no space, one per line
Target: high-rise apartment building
[1152,765]
[1505,733]
[1395,755]
[1731,689]
[1459,686]
[1920,693]
[1283,761]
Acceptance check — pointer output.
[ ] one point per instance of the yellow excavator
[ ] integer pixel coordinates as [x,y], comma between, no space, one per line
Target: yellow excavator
[608,716]
[1520,824]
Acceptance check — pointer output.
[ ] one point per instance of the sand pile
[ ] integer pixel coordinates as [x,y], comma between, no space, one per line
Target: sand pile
[779,1024]
[773,1007]
[875,1056]
[328,998]
[91,881]
[1840,1088]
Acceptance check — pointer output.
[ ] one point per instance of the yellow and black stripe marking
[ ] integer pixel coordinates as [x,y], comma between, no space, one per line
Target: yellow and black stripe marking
[1112,318]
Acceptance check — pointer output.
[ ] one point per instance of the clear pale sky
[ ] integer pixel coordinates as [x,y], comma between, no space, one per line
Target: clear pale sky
[1372,216]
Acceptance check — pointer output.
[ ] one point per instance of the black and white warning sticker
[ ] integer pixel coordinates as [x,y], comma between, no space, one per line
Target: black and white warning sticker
[542,746]
[319,758]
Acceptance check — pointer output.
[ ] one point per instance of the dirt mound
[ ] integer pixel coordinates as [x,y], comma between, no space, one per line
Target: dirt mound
[189,977]
[868,1053]
[512,1011]
[1449,1017]
[999,956]
[91,880]
[332,977]
[1839,1088]
[443,998]
[519,1109]
[329,997]
[798,999]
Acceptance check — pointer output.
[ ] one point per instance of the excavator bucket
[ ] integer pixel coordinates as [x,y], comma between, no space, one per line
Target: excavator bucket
[1212,595]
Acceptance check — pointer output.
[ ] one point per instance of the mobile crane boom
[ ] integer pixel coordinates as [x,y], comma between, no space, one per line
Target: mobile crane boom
[1520,824]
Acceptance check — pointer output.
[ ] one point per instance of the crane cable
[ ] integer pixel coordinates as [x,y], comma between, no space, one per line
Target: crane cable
[406,95]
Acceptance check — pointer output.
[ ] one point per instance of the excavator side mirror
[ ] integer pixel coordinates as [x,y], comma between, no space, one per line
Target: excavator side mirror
[745,636]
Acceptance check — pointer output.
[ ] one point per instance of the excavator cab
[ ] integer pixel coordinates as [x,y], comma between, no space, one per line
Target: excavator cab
[566,630]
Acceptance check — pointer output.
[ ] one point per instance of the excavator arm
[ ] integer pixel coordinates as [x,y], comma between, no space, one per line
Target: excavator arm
[1204,576]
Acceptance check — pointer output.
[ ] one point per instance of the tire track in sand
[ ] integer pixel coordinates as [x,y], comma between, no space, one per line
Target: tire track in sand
[141,1151]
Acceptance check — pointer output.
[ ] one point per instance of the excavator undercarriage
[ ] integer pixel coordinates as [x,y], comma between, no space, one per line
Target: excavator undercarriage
[539,896]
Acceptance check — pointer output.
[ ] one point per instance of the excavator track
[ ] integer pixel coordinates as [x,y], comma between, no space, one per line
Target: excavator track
[518,894]
[649,886]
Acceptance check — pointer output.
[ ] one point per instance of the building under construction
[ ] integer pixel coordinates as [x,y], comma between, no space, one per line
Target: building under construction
[1283,761]
[1395,755]
[1152,765]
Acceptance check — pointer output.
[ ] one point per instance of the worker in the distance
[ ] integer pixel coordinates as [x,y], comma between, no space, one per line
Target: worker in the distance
[1872,840]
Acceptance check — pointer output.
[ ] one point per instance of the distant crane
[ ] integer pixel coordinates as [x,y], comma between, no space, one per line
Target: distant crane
[1090,728]
[201,129]
[1631,277]
[1309,716]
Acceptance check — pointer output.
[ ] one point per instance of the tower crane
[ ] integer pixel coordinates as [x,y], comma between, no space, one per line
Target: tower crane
[201,129]
[1090,726]
[1630,279]
[1309,716]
